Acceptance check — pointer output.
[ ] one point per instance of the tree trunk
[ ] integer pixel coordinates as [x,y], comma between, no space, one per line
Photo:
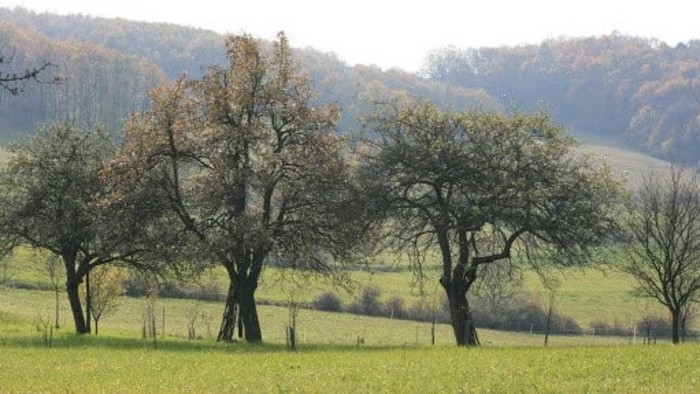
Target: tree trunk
[88,301]
[675,325]
[460,314]
[249,311]
[228,322]
[57,325]
[76,307]
[241,300]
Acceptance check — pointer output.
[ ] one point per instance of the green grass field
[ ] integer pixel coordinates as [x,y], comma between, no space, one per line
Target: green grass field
[390,360]
[112,365]
[396,356]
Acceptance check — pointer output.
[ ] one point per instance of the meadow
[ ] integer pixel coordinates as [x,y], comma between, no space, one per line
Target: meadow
[396,356]
[393,356]
[337,352]
[588,295]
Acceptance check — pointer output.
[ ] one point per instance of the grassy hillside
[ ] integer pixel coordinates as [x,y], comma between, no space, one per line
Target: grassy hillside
[22,310]
[628,164]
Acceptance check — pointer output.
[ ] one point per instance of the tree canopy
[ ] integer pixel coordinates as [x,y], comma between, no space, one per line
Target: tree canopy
[481,186]
[54,196]
[250,167]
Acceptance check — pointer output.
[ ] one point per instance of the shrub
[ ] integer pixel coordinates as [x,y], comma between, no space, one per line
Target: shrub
[423,310]
[329,302]
[523,315]
[654,326]
[395,307]
[368,303]
[604,328]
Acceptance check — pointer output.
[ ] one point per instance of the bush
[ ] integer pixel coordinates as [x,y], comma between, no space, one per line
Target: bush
[329,302]
[422,310]
[137,285]
[654,327]
[523,315]
[603,328]
[395,308]
[368,303]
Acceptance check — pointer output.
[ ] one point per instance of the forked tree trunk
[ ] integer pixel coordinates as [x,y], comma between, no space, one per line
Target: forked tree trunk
[240,309]
[460,314]
[228,321]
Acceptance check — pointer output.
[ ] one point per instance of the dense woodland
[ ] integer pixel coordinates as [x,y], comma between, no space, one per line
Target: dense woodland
[635,92]
[136,56]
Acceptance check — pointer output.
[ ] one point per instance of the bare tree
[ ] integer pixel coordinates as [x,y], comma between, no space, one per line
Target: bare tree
[664,255]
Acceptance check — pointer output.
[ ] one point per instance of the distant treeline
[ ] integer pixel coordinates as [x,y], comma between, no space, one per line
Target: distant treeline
[109,64]
[636,91]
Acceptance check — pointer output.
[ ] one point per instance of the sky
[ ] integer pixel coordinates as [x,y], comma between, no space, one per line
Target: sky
[401,33]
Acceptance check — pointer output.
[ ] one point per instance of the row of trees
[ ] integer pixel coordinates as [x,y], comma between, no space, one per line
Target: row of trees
[239,168]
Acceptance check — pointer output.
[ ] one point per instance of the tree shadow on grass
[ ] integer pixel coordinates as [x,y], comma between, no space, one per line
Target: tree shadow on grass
[77,342]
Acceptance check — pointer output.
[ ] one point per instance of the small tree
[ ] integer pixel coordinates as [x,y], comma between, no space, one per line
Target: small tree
[52,268]
[6,271]
[106,286]
[664,255]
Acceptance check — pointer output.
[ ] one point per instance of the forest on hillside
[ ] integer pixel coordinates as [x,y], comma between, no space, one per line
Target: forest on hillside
[636,92]
[88,50]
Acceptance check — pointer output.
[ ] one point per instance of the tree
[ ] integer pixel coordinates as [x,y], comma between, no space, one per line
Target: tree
[107,285]
[12,81]
[664,254]
[250,168]
[52,268]
[55,196]
[480,187]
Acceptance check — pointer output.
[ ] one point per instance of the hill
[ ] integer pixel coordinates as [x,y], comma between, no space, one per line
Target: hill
[636,90]
[628,165]
[166,52]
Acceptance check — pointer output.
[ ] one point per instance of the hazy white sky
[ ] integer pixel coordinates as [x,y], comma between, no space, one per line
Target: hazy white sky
[401,33]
